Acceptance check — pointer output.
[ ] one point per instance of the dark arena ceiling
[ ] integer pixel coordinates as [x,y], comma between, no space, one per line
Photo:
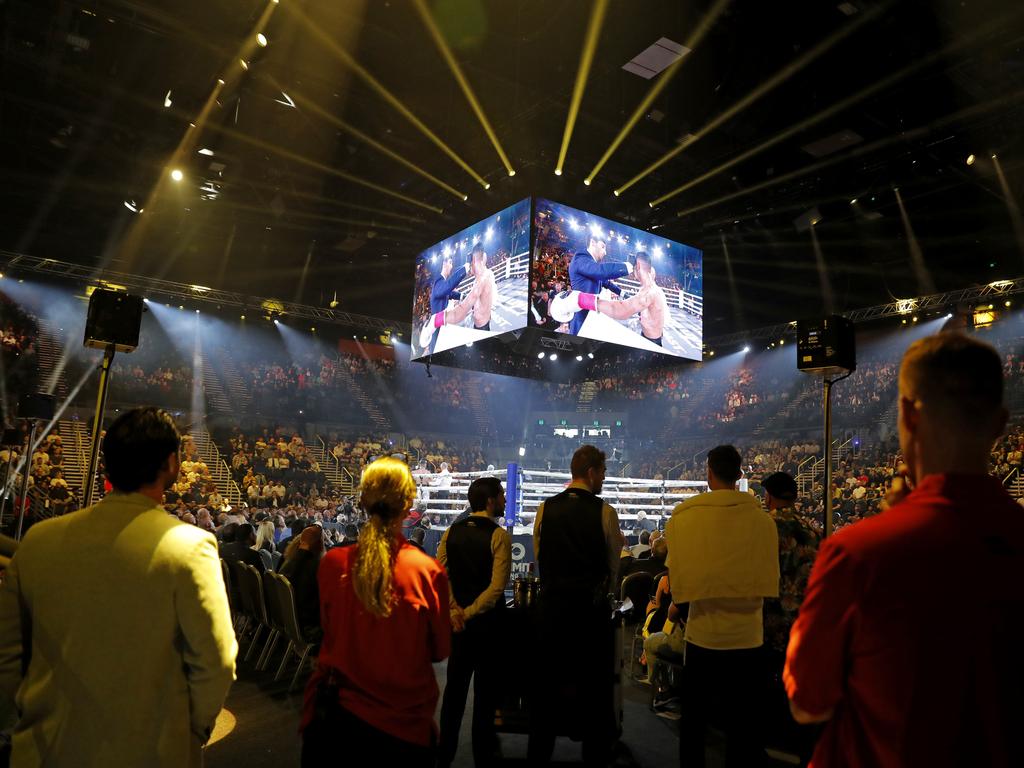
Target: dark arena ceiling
[322,178]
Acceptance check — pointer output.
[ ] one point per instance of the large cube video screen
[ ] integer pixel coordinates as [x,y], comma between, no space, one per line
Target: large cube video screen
[474,284]
[597,279]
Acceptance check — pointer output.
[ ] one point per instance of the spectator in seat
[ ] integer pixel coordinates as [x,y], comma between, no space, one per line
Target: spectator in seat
[242,549]
[301,571]
[138,676]
[865,656]
[643,547]
[384,608]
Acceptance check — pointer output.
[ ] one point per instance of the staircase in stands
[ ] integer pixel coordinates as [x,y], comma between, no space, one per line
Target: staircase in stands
[367,403]
[337,475]
[216,397]
[588,391]
[794,404]
[207,450]
[49,350]
[233,382]
[481,414]
[76,440]
[692,403]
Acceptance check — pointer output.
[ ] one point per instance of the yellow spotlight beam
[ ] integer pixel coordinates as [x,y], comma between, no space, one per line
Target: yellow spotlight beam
[828,112]
[337,122]
[694,40]
[586,59]
[383,92]
[766,87]
[323,217]
[972,111]
[302,160]
[925,285]
[453,65]
[1011,203]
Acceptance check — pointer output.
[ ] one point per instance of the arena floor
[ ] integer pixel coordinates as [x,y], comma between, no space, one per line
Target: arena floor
[264,718]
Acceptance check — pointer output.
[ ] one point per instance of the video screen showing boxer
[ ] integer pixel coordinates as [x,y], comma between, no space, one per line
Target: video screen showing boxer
[597,279]
[474,284]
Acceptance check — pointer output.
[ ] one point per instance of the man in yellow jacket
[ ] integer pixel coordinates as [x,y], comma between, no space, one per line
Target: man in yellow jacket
[723,560]
[115,631]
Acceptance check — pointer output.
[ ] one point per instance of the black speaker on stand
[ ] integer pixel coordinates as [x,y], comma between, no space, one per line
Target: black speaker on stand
[113,324]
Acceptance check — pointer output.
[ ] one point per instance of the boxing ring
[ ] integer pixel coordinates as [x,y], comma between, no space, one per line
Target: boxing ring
[444,496]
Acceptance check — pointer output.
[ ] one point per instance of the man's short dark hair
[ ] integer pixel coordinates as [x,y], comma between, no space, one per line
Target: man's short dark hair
[642,256]
[228,533]
[477,251]
[244,533]
[137,445]
[645,537]
[724,462]
[482,490]
[298,525]
[587,457]
[351,532]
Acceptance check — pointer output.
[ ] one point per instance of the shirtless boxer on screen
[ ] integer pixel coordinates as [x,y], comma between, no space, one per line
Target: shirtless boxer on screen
[480,300]
[649,301]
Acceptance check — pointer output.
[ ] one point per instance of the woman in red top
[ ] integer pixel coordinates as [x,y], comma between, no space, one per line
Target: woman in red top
[384,612]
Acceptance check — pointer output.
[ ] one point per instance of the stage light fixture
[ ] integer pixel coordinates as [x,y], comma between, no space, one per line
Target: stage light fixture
[540,355]
[582,73]
[206,151]
[244,64]
[242,317]
[177,175]
[181,306]
[261,40]
[553,356]
[167,100]
[511,172]
[766,87]
[313,329]
[579,358]
[558,171]
[590,355]
[746,349]
[970,159]
[131,206]
[853,201]
[586,182]
[522,451]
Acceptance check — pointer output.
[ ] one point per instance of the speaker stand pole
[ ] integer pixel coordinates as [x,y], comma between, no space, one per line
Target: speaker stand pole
[24,482]
[827,487]
[7,482]
[97,424]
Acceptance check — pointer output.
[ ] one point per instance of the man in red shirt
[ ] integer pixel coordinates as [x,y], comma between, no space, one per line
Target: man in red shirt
[908,641]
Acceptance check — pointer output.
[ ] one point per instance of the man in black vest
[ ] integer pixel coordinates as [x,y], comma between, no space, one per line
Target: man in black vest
[576,540]
[478,555]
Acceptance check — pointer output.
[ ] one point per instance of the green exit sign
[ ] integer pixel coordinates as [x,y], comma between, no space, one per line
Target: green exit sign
[540,422]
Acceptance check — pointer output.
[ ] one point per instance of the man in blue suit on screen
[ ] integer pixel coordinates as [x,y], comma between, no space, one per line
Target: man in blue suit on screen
[589,273]
[441,292]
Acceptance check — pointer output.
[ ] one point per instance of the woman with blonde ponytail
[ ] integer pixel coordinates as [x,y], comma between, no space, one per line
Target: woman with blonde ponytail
[384,612]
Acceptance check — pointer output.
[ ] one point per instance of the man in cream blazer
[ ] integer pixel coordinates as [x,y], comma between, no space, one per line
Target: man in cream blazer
[115,631]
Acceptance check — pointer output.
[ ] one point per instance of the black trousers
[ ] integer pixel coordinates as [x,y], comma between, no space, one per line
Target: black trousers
[574,693]
[726,688]
[342,739]
[474,655]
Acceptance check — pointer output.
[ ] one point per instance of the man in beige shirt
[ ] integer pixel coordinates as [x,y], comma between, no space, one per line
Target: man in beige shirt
[723,560]
[115,632]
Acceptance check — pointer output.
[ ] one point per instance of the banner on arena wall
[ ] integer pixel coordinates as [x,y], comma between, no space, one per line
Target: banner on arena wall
[513,495]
